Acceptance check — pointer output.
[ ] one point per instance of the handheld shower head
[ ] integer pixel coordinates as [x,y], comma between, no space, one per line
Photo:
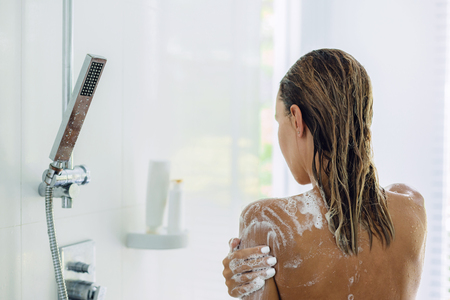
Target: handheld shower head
[77,108]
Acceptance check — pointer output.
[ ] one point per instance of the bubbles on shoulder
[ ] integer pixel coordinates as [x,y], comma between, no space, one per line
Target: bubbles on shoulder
[253,209]
[260,220]
[298,213]
[281,221]
[313,204]
[309,206]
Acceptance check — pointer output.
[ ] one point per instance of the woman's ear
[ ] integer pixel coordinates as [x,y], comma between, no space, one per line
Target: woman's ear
[297,120]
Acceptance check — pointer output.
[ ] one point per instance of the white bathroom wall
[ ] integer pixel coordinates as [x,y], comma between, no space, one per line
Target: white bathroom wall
[181,83]
[10,150]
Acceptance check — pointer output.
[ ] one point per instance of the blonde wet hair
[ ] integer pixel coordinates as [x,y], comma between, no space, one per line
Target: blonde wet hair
[334,93]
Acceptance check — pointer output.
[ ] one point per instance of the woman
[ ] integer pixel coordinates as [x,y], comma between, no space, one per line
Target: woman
[347,238]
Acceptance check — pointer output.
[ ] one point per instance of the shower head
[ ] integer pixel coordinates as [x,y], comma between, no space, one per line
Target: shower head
[77,108]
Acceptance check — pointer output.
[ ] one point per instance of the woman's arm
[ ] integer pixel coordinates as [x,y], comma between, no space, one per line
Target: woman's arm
[255,229]
[239,275]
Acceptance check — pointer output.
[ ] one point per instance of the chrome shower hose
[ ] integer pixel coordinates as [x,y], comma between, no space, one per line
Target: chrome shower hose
[62,292]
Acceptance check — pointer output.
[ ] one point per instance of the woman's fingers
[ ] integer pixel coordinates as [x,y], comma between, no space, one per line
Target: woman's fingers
[243,278]
[248,288]
[246,266]
[234,244]
[251,263]
[258,251]
[249,253]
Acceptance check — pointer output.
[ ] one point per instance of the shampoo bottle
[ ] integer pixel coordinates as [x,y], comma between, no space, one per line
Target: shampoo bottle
[157,188]
[175,213]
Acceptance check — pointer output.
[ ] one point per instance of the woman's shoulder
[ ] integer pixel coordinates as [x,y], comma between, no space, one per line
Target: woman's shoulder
[268,207]
[258,204]
[406,191]
[257,209]
[277,222]
[407,209]
[292,211]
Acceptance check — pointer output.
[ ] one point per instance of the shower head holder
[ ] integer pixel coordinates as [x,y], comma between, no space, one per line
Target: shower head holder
[65,182]
[63,179]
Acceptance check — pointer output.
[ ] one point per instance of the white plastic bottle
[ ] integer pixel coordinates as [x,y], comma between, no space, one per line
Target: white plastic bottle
[157,189]
[175,213]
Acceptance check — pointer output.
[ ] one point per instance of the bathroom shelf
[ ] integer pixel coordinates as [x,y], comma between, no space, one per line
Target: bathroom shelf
[157,241]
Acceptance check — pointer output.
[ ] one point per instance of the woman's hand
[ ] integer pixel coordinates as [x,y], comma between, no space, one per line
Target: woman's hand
[246,270]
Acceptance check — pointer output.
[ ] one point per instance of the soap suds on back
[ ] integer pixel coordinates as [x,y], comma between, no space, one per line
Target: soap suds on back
[308,205]
[311,206]
[269,219]
[293,263]
[291,207]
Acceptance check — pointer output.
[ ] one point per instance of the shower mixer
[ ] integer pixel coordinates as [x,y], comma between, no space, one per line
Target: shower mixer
[60,176]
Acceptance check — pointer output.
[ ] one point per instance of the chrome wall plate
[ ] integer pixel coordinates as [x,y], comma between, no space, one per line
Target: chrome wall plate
[79,254]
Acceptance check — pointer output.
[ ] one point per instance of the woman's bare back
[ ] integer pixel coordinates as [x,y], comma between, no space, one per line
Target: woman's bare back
[310,265]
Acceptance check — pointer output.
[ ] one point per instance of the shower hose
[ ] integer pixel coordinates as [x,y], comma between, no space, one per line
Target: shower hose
[62,292]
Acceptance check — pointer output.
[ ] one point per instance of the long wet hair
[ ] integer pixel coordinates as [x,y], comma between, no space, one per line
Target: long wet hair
[334,93]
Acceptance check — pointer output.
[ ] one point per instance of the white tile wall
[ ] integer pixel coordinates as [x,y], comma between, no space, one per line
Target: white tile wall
[161,96]
[141,108]
[10,262]
[41,94]
[10,118]
[37,262]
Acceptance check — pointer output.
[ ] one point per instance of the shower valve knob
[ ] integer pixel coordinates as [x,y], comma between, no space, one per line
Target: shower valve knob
[80,267]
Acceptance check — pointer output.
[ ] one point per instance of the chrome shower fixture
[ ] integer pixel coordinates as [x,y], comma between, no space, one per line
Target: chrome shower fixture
[65,184]
[60,175]
[77,108]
